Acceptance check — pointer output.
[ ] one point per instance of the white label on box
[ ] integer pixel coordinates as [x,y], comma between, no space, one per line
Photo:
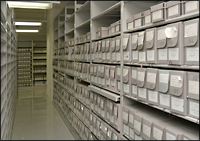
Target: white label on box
[190,5]
[157,134]
[134,89]
[125,116]
[132,134]
[194,108]
[126,129]
[142,57]
[126,55]
[151,77]
[104,56]
[117,42]
[173,53]
[171,32]
[134,39]
[113,56]
[118,56]
[112,73]
[161,34]
[194,87]
[191,30]
[175,81]
[103,44]
[126,88]
[137,125]
[150,55]
[157,14]
[118,85]
[131,118]
[137,22]
[130,25]
[192,54]
[170,136]
[162,54]
[146,130]
[134,74]
[149,35]
[137,137]
[142,92]
[135,55]
[147,19]
[173,10]
[102,103]
[108,55]
[153,96]
[163,78]
[103,81]
[164,99]
[114,136]
[140,76]
[113,83]
[177,104]
[117,28]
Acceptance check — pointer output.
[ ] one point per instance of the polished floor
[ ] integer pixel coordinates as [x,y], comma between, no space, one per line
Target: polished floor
[36,118]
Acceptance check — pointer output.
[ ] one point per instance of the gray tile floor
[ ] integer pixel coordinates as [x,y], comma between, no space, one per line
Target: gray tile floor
[36,118]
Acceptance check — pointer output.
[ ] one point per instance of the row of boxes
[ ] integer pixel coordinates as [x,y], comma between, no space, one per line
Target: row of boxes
[23,61]
[175,44]
[106,76]
[177,91]
[83,38]
[64,44]
[145,123]
[101,129]
[106,50]
[105,108]
[78,125]
[161,12]
[22,54]
[24,69]
[82,52]
[82,93]
[105,31]
[24,50]
[39,50]
[81,70]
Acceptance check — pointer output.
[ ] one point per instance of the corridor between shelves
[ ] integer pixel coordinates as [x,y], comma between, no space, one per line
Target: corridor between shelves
[36,118]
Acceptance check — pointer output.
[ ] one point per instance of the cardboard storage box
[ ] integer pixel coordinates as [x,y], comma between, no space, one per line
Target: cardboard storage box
[129,23]
[141,84]
[173,9]
[127,48]
[134,82]
[163,89]
[191,42]
[134,47]
[150,45]
[178,92]
[152,86]
[193,94]
[158,12]
[138,20]
[190,6]
[147,18]
[126,80]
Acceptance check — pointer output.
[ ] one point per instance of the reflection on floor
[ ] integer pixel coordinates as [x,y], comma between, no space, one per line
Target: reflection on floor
[36,118]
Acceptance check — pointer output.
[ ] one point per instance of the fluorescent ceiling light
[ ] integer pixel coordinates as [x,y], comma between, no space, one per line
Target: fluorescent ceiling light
[24,30]
[28,23]
[33,5]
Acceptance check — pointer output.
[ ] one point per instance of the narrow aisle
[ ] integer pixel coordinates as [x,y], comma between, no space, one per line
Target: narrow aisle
[36,118]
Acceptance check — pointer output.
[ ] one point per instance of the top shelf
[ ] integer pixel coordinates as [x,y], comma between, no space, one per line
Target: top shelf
[110,12]
[176,19]
[84,8]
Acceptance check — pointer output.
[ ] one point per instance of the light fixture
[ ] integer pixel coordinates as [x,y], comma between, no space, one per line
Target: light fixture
[24,30]
[32,5]
[29,23]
